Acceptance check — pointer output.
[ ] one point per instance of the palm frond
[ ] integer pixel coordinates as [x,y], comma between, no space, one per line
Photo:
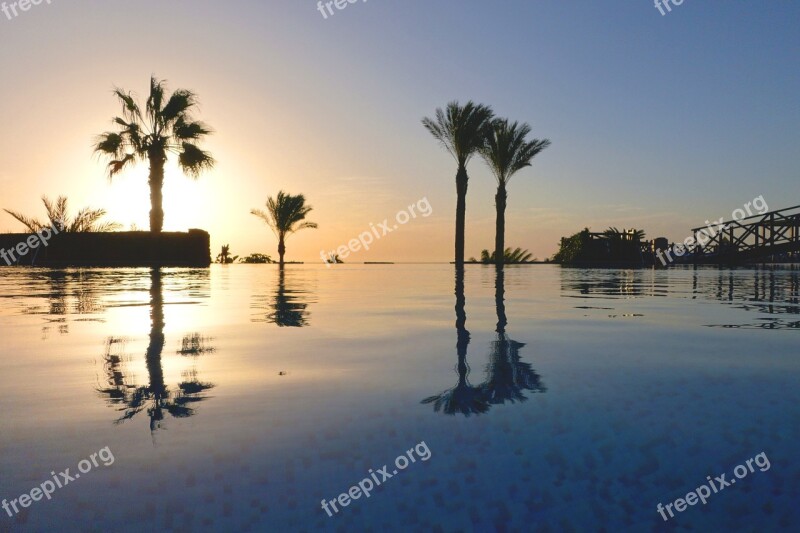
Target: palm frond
[184,130]
[87,219]
[506,150]
[109,143]
[460,129]
[130,109]
[286,213]
[194,161]
[118,165]
[179,102]
[155,101]
[32,224]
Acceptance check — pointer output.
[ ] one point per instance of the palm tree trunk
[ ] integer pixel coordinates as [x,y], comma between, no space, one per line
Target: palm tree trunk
[157,161]
[281,248]
[461,212]
[499,299]
[500,235]
[156,346]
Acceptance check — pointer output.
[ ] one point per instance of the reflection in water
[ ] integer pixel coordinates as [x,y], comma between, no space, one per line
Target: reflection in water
[463,398]
[507,375]
[67,292]
[286,308]
[772,291]
[155,397]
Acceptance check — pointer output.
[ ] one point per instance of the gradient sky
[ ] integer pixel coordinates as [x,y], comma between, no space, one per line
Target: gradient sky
[658,122]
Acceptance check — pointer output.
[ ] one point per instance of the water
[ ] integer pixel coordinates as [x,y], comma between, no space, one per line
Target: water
[237,398]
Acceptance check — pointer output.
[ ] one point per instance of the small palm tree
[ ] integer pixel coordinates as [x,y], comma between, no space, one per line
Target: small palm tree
[87,220]
[224,256]
[285,215]
[510,257]
[507,151]
[166,127]
[462,131]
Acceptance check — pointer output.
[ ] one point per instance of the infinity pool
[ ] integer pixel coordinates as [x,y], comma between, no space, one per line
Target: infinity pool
[239,398]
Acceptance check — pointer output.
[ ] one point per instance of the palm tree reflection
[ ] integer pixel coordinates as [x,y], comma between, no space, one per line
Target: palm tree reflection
[286,307]
[507,375]
[463,398]
[156,397]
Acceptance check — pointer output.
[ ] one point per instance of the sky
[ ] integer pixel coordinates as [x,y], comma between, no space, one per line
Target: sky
[658,122]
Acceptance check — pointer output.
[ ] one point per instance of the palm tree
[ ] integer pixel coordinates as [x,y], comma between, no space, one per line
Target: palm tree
[507,151]
[87,220]
[462,131]
[166,127]
[285,215]
[224,257]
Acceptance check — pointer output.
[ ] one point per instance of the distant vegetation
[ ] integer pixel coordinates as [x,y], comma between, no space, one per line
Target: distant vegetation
[87,220]
[571,248]
[510,257]
[257,259]
[166,127]
[610,246]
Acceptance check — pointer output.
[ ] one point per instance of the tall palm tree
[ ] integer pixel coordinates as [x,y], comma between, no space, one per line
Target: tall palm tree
[166,127]
[285,215]
[87,219]
[507,151]
[462,131]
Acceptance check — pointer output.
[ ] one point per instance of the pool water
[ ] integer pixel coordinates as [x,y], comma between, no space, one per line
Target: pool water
[237,398]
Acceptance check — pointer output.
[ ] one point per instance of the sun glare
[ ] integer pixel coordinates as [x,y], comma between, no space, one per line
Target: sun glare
[127,200]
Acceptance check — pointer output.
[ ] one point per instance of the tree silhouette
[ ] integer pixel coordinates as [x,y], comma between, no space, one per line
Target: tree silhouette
[507,151]
[166,126]
[85,221]
[285,215]
[462,131]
